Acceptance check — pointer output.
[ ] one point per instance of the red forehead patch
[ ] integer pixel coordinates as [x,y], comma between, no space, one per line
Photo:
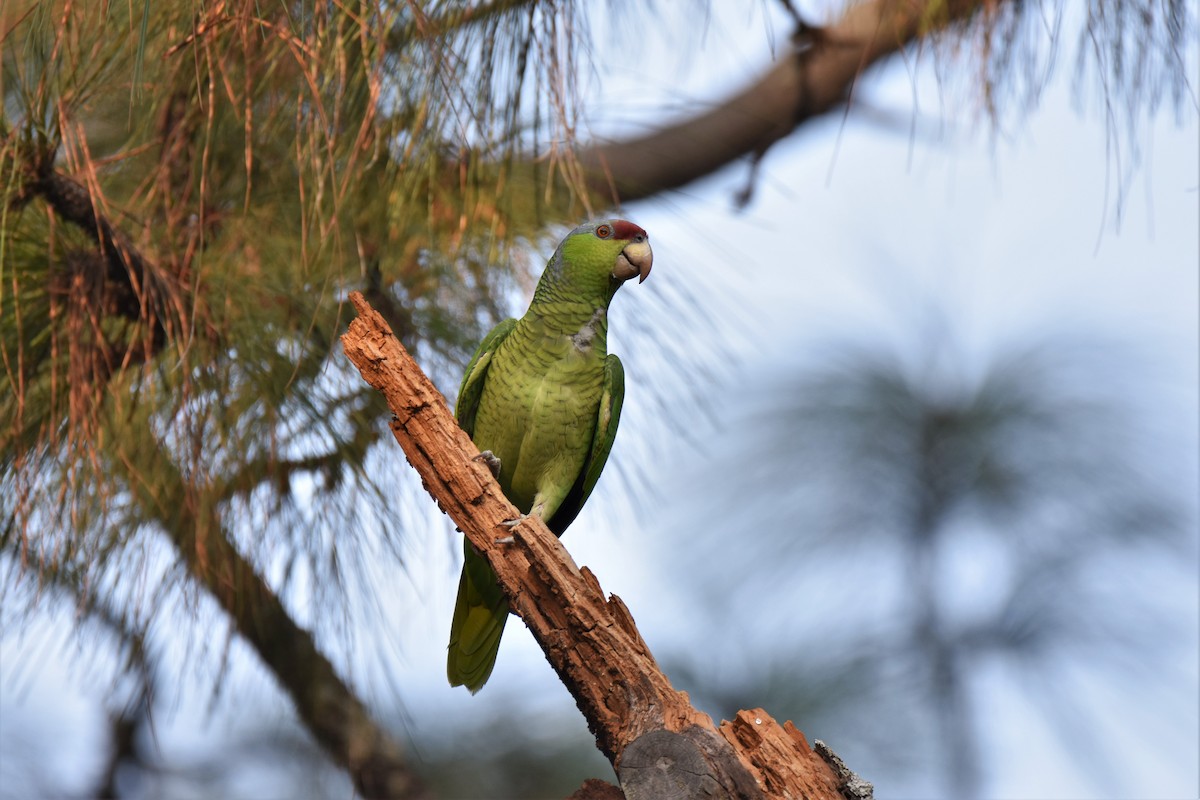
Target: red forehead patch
[623,229]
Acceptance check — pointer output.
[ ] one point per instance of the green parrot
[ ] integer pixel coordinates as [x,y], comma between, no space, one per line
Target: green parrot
[541,399]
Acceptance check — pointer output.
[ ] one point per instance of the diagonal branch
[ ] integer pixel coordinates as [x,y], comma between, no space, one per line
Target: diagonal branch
[330,710]
[142,292]
[819,76]
[640,721]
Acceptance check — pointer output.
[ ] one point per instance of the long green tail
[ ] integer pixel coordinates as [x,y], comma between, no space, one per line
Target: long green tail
[479,617]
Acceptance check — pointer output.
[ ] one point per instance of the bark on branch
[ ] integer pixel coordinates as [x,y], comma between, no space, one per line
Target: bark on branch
[660,746]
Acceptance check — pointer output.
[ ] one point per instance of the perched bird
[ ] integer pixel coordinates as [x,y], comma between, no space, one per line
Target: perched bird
[541,398]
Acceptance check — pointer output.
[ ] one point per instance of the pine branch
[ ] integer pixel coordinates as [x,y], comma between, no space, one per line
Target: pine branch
[328,708]
[640,721]
[424,26]
[140,292]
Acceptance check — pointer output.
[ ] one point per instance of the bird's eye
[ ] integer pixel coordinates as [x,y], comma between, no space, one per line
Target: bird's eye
[604,231]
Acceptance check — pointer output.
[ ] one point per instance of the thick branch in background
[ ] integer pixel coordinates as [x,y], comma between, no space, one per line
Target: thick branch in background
[660,746]
[329,709]
[817,77]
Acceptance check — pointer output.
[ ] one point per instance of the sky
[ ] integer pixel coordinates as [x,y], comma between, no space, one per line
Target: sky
[854,228]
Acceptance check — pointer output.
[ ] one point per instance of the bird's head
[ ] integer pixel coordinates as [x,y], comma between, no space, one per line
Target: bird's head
[602,255]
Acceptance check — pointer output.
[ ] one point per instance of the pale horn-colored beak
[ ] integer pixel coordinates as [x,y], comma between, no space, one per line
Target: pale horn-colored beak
[635,259]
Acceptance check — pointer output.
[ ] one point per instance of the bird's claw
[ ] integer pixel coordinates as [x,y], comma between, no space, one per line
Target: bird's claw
[503,540]
[492,461]
[537,511]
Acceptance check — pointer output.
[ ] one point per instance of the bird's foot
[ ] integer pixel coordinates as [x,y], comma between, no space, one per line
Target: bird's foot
[492,461]
[504,540]
[536,511]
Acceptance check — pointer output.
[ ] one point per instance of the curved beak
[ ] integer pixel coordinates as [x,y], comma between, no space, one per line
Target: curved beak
[635,259]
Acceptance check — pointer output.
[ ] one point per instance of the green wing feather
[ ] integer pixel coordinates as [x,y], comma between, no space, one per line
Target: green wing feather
[481,609]
[471,388]
[607,417]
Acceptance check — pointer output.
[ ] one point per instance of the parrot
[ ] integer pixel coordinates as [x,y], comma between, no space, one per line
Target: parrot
[541,399]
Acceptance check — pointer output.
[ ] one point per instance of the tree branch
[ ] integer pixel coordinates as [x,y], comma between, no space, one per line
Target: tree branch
[140,290]
[819,76]
[329,709]
[326,706]
[640,721]
[423,26]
